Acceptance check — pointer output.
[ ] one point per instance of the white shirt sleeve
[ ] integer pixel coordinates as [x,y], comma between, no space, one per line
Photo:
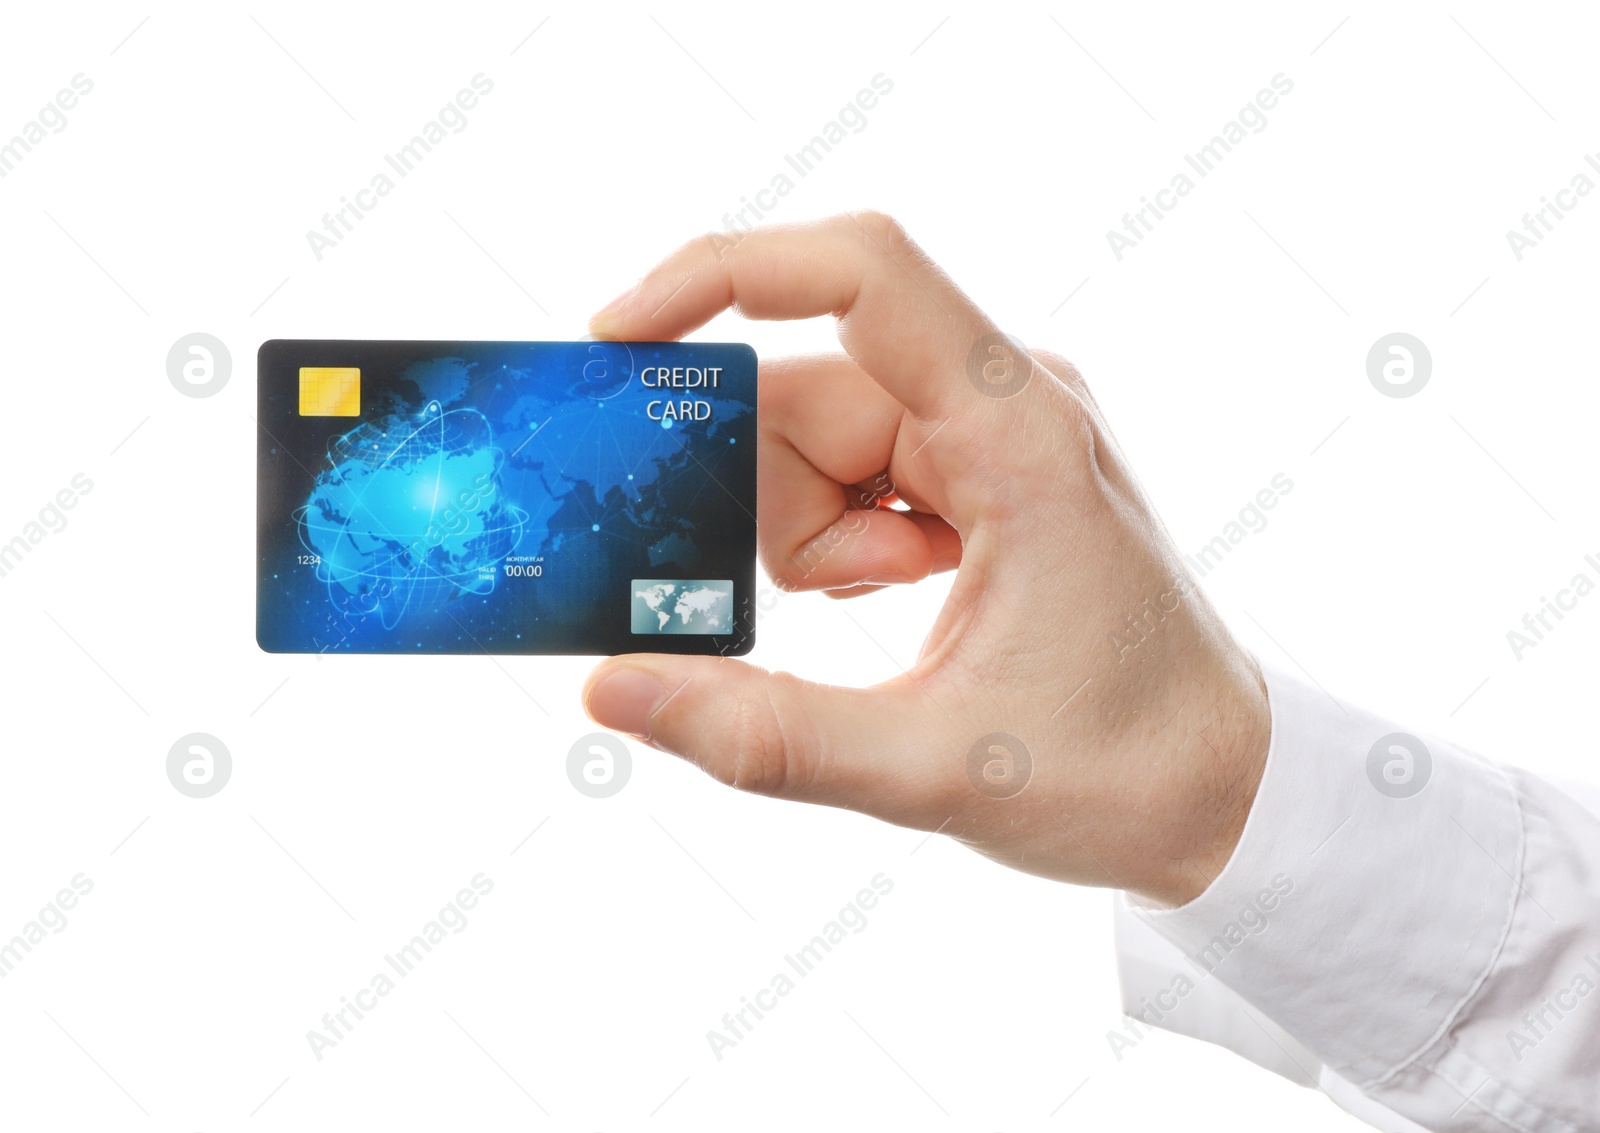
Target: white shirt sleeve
[1424,923]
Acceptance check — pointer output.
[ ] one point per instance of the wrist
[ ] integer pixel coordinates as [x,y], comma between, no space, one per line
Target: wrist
[1219,752]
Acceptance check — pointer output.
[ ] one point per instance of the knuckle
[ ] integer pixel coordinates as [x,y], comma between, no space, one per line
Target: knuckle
[1079,404]
[810,562]
[1071,404]
[782,579]
[1078,425]
[1075,411]
[882,228]
[1061,367]
[790,572]
[1065,439]
[762,759]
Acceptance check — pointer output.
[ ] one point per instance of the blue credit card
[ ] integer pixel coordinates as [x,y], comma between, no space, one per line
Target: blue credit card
[506,497]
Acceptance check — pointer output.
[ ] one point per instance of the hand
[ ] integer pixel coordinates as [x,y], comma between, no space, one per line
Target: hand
[1072,638]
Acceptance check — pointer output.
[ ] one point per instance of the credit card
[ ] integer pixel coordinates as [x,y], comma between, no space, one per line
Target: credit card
[506,497]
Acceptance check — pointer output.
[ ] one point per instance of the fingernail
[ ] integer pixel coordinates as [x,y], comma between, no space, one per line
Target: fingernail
[887,579]
[624,699]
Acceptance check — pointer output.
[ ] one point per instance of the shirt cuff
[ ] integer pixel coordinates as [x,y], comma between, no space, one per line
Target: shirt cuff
[1372,888]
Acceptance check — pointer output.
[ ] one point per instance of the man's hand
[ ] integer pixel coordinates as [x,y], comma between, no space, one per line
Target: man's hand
[1078,710]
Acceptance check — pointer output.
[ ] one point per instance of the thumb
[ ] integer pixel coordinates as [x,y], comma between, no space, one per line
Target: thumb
[772,733]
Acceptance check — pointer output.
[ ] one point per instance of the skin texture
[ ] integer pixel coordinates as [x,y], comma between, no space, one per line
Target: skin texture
[1071,626]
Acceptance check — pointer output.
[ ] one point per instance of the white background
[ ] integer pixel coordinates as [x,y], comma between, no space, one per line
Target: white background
[1228,347]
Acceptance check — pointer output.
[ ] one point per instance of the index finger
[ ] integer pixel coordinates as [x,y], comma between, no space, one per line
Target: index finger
[900,317]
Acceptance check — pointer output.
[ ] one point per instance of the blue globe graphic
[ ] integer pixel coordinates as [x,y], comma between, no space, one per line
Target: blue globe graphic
[410,513]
